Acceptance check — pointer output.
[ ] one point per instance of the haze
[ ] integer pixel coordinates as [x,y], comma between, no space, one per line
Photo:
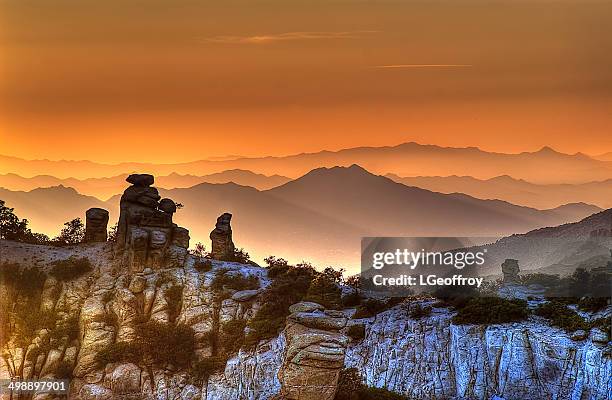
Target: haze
[278,77]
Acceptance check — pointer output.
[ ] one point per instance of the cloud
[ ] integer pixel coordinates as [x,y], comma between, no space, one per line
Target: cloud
[423,66]
[287,36]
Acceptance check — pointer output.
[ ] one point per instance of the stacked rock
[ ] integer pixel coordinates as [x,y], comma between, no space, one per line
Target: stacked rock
[221,237]
[96,222]
[315,352]
[145,230]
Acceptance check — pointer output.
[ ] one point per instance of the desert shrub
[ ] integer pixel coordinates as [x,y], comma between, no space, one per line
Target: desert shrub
[203,265]
[64,370]
[174,299]
[199,250]
[593,304]
[73,232]
[351,300]
[118,352]
[491,310]
[71,268]
[156,344]
[561,316]
[27,282]
[582,283]
[240,256]
[276,266]
[206,367]
[418,312]
[370,307]
[350,387]
[226,280]
[232,335]
[356,332]
[324,290]
[539,279]
[455,296]
[289,286]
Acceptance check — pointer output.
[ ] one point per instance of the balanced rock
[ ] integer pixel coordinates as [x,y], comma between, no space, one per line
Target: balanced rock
[145,232]
[510,269]
[141,179]
[96,222]
[221,237]
[314,356]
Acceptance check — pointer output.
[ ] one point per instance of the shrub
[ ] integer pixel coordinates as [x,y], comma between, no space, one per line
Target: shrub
[156,344]
[232,335]
[206,367]
[370,307]
[199,250]
[491,310]
[350,387]
[203,265]
[351,300]
[72,233]
[226,280]
[64,370]
[356,332]
[174,298]
[562,317]
[539,279]
[71,268]
[593,304]
[418,312]
[240,256]
[13,228]
[324,290]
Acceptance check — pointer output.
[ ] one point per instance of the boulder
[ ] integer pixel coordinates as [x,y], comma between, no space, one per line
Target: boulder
[167,205]
[141,179]
[305,306]
[510,269]
[245,295]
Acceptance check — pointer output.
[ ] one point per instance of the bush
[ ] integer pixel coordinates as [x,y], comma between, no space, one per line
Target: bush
[206,367]
[418,312]
[72,233]
[562,317]
[324,290]
[235,281]
[71,268]
[370,307]
[174,299]
[350,387]
[232,336]
[351,300]
[13,228]
[491,310]
[593,304]
[156,344]
[356,332]
[203,265]
[240,256]
[539,279]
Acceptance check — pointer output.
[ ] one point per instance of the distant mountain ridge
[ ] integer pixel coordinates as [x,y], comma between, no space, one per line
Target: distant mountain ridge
[103,188]
[319,217]
[408,159]
[516,191]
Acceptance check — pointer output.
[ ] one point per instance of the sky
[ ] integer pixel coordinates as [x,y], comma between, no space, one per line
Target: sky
[171,81]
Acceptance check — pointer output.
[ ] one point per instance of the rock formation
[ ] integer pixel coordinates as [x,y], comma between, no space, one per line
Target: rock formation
[315,353]
[96,222]
[510,269]
[221,237]
[145,231]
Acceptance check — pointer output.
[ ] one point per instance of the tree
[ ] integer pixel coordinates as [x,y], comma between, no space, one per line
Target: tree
[72,233]
[199,250]
[11,227]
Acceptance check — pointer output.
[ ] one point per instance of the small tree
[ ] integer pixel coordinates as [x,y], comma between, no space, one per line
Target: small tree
[72,233]
[199,250]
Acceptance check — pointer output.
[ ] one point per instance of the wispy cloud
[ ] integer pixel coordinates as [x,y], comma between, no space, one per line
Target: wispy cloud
[287,36]
[423,66]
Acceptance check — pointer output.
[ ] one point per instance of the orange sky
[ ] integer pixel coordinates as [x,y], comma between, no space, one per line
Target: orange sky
[124,80]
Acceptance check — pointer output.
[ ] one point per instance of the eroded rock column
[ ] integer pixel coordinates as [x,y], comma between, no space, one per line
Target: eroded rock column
[315,353]
[221,237]
[96,223]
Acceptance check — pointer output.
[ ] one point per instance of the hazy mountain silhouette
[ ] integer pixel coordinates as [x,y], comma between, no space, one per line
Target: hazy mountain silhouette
[604,157]
[319,217]
[408,159]
[516,191]
[103,188]
[557,250]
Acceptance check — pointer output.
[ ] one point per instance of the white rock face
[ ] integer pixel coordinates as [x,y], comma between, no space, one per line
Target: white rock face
[430,359]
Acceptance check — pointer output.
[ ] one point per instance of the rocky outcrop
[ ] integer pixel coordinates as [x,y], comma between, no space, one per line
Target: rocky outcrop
[96,223]
[221,237]
[315,353]
[145,232]
[510,269]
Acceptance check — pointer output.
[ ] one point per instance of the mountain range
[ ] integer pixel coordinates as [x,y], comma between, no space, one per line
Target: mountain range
[516,191]
[545,166]
[320,216]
